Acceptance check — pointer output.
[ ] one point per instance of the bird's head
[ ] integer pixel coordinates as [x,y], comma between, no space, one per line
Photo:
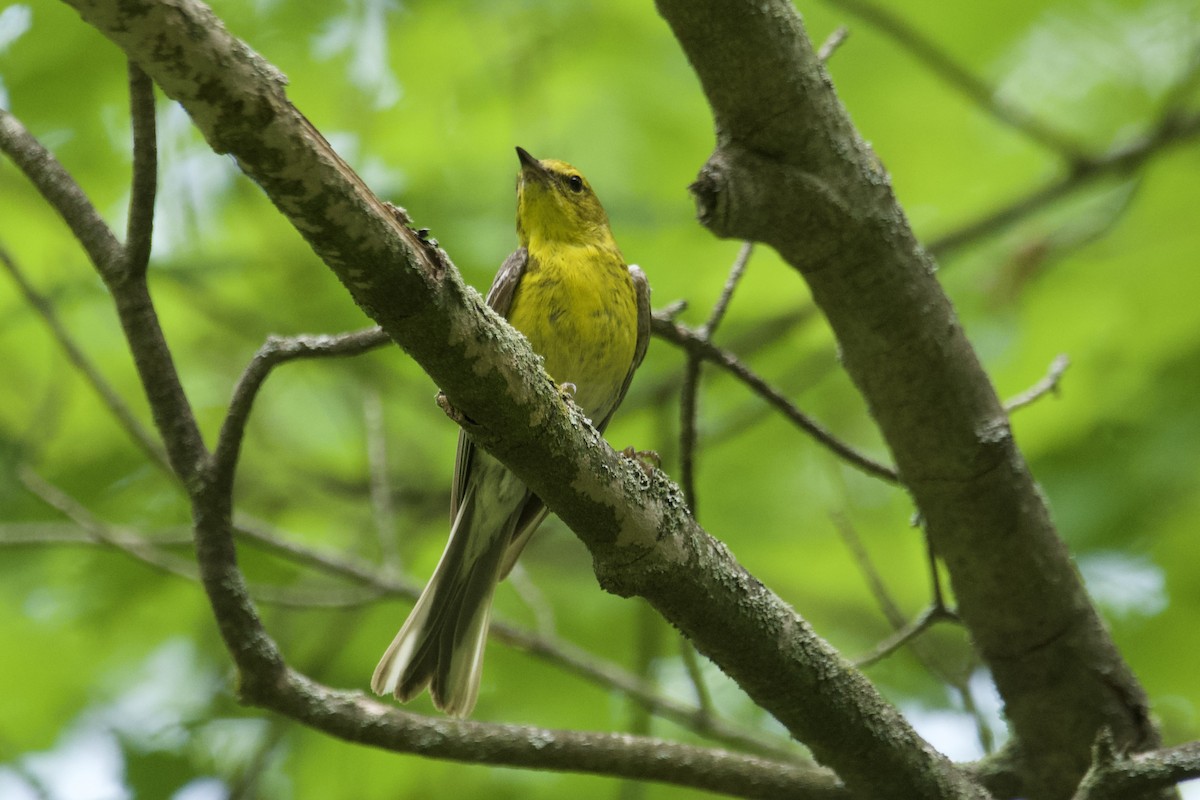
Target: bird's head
[555,203]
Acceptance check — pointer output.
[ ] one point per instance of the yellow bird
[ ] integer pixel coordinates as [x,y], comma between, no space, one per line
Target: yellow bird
[568,289]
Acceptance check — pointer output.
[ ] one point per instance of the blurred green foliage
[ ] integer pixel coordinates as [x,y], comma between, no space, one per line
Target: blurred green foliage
[113,670]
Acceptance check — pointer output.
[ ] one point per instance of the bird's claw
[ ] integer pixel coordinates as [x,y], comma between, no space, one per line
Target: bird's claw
[451,411]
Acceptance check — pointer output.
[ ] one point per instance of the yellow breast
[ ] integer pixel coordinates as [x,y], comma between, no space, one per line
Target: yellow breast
[577,306]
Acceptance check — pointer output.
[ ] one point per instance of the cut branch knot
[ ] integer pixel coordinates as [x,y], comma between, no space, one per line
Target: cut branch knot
[744,194]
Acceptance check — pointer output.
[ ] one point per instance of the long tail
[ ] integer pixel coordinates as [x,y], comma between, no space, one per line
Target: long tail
[441,644]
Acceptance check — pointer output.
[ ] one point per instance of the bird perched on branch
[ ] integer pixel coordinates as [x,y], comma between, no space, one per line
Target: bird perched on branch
[568,290]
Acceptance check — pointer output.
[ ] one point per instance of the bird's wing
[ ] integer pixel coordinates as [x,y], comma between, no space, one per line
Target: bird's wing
[500,298]
[504,285]
[641,287]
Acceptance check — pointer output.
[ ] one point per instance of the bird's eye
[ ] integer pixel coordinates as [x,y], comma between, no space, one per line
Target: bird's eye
[575,182]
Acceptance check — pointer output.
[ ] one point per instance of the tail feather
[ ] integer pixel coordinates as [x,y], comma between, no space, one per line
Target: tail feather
[441,644]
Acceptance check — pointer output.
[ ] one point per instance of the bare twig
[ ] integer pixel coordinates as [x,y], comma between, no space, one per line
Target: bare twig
[65,534]
[381,493]
[833,42]
[113,401]
[156,368]
[731,283]
[278,350]
[955,75]
[905,631]
[138,548]
[908,632]
[689,398]
[64,195]
[691,662]
[904,635]
[1047,385]
[1124,160]
[688,339]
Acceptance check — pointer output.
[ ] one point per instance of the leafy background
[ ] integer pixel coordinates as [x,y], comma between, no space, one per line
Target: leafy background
[115,682]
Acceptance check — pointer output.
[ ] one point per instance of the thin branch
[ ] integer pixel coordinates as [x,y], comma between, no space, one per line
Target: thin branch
[65,534]
[149,552]
[381,494]
[275,351]
[63,194]
[1047,385]
[906,631]
[1124,160]
[688,339]
[691,663]
[156,368]
[906,634]
[115,404]
[689,397]
[140,229]
[258,534]
[731,283]
[557,652]
[138,548]
[689,400]
[342,714]
[955,75]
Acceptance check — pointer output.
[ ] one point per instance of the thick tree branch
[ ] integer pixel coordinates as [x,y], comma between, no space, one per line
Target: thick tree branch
[790,170]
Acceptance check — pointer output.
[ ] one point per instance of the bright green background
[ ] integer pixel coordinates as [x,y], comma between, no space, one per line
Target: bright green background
[114,669]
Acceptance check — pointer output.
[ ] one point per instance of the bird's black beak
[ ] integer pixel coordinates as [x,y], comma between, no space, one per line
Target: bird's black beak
[531,166]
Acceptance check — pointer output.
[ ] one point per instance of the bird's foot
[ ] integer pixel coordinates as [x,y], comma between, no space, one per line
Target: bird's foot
[451,411]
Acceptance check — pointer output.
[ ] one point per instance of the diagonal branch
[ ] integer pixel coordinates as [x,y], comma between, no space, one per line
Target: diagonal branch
[679,335]
[63,194]
[1122,161]
[954,74]
[168,403]
[114,402]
